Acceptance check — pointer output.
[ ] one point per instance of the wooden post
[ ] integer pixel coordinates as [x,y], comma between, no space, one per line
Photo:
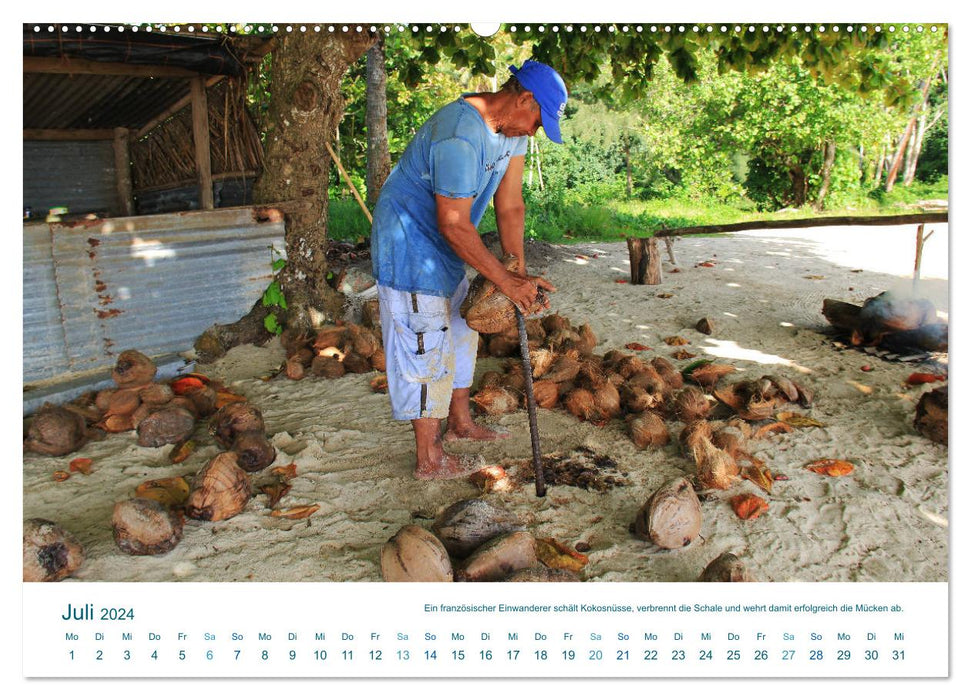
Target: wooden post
[653,273]
[200,137]
[669,244]
[635,248]
[921,239]
[123,172]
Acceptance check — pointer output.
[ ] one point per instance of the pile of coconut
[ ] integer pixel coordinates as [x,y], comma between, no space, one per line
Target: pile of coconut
[333,351]
[152,521]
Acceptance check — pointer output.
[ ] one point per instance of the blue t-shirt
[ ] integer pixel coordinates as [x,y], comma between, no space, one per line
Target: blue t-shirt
[454,154]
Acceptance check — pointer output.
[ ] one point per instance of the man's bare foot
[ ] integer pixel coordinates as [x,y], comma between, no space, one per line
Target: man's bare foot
[474,431]
[450,467]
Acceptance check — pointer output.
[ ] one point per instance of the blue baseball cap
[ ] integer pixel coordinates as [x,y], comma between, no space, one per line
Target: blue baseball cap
[549,90]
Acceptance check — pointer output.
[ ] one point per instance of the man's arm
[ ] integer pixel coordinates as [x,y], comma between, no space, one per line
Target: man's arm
[511,210]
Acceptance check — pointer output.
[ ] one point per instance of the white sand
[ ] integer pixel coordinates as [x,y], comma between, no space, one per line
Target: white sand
[887,521]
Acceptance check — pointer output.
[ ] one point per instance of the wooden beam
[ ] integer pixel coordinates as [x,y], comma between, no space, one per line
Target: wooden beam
[892,220]
[123,171]
[80,66]
[68,134]
[200,138]
[172,110]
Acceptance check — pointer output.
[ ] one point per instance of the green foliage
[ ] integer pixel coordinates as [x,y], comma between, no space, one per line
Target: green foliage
[346,221]
[273,296]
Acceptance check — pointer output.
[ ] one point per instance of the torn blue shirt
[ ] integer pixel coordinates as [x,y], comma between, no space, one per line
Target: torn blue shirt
[454,154]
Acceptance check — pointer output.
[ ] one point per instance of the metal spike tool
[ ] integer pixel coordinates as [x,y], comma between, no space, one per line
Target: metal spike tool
[530,403]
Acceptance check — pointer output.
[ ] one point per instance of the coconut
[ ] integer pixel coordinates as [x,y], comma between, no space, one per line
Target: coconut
[144,526]
[487,310]
[546,393]
[204,399]
[588,340]
[784,386]
[671,376]
[727,568]
[499,557]
[55,431]
[294,368]
[156,394]
[233,419]
[490,378]
[564,369]
[514,382]
[304,356]
[329,336]
[636,400]
[118,424]
[931,416]
[612,357]
[123,402]
[564,339]
[541,360]
[166,425]
[690,404]
[464,526]
[371,314]
[50,552]
[591,375]
[415,555]
[495,400]
[186,403]
[219,491]
[554,322]
[650,381]
[253,451]
[103,399]
[607,400]
[630,365]
[707,375]
[616,379]
[648,429]
[356,364]
[293,340]
[361,340]
[329,367]
[716,468]
[379,361]
[747,400]
[671,518]
[692,437]
[500,346]
[730,439]
[542,574]
[581,403]
[133,369]
[535,330]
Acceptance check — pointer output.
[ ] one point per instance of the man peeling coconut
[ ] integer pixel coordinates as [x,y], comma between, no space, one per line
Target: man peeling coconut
[469,152]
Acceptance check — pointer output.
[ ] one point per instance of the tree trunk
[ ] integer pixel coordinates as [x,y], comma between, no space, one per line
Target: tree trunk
[305,109]
[879,173]
[378,156]
[800,185]
[630,181]
[828,160]
[898,159]
[913,153]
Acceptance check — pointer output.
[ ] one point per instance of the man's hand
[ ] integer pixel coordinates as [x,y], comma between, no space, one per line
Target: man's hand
[522,290]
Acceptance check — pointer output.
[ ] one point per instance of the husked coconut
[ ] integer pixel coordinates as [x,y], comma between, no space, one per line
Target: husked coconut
[416,555]
[51,553]
[329,336]
[931,416]
[466,525]
[144,526]
[294,340]
[133,369]
[690,404]
[294,368]
[219,491]
[727,568]
[671,518]
[233,419]
[166,425]
[499,557]
[648,430]
[253,451]
[361,340]
[123,402]
[55,431]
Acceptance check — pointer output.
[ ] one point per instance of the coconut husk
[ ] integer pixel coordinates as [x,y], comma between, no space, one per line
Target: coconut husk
[616,379]
[329,337]
[707,375]
[784,387]
[142,526]
[133,369]
[546,393]
[371,314]
[466,525]
[514,382]
[117,424]
[379,384]
[668,373]
[379,361]
[747,400]
[232,420]
[294,368]
[607,400]
[490,378]
[220,491]
[535,331]
[691,438]
[186,403]
[731,440]
[156,394]
[294,340]
[581,403]
[500,346]
[55,431]
[636,399]
[931,415]
[631,365]
[123,402]
[103,399]
[554,322]
[327,367]
[690,404]
[564,339]
[499,557]
[671,518]
[361,340]
[356,364]
[587,339]
[564,369]
[591,375]
[165,425]
[495,401]
[416,555]
[727,568]
[648,430]
[612,357]
[51,553]
[716,468]
[253,451]
[541,360]
[648,379]
[204,399]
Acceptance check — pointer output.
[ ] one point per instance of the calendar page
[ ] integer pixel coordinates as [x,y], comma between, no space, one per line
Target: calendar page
[612,349]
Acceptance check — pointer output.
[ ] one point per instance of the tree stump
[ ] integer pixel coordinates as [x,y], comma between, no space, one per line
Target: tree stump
[645,261]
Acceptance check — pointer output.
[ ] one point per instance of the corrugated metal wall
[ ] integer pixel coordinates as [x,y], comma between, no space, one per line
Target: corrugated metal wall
[79,175]
[153,283]
[231,192]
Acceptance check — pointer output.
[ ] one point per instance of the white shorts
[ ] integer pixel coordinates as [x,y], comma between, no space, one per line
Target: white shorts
[429,350]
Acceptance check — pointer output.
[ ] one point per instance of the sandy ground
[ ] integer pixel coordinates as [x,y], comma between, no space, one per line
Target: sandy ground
[887,521]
